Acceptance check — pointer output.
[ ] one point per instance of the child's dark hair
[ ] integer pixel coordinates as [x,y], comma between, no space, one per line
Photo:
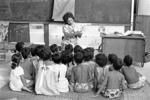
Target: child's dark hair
[101,59]
[78,57]
[69,48]
[112,58]
[78,48]
[88,54]
[66,57]
[56,58]
[19,46]
[38,49]
[66,16]
[33,49]
[118,64]
[15,60]
[25,52]
[33,53]
[54,48]
[45,53]
[127,60]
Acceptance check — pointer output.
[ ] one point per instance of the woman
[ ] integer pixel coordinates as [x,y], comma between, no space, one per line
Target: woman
[71,30]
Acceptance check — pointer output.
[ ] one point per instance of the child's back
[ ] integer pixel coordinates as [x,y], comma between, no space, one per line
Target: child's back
[114,80]
[133,78]
[130,74]
[81,76]
[47,76]
[113,83]
[27,65]
[61,69]
[81,72]
[29,69]
[101,71]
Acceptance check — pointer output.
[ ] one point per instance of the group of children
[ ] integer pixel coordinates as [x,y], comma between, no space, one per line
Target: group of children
[51,71]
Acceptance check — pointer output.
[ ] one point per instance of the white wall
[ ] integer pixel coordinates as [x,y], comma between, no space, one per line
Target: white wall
[144,7]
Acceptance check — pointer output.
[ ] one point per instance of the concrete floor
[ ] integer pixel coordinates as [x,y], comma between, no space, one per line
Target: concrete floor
[145,70]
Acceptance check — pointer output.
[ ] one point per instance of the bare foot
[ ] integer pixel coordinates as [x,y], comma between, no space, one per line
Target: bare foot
[26,89]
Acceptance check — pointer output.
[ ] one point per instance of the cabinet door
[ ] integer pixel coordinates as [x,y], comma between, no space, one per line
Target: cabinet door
[114,45]
[135,48]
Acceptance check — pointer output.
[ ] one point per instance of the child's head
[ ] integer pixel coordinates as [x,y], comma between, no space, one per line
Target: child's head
[15,60]
[101,59]
[127,60]
[66,57]
[78,57]
[25,52]
[45,53]
[78,48]
[33,53]
[33,49]
[118,64]
[19,46]
[69,48]
[56,58]
[112,58]
[88,54]
[54,48]
[38,49]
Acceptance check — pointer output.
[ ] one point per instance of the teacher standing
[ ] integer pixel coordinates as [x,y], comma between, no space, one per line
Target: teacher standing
[71,30]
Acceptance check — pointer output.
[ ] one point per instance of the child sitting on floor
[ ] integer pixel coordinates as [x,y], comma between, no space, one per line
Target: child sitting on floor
[114,82]
[63,85]
[81,76]
[100,71]
[133,78]
[17,81]
[111,59]
[47,75]
[27,65]
[88,54]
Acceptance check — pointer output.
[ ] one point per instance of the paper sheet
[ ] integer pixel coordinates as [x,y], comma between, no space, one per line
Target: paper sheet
[36,33]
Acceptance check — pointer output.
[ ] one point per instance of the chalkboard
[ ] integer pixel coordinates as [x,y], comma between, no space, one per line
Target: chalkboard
[18,32]
[26,10]
[103,11]
[5,11]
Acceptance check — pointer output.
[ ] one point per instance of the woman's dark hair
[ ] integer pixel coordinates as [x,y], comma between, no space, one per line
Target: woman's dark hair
[118,64]
[15,60]
[127,60]
[101,59]
[56,58]
[25,52]
[45,54]
[19,46]
[78,57]
[112,58]
[66,16]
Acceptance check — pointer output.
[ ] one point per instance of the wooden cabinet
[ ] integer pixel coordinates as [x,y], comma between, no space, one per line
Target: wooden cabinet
[121,46]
